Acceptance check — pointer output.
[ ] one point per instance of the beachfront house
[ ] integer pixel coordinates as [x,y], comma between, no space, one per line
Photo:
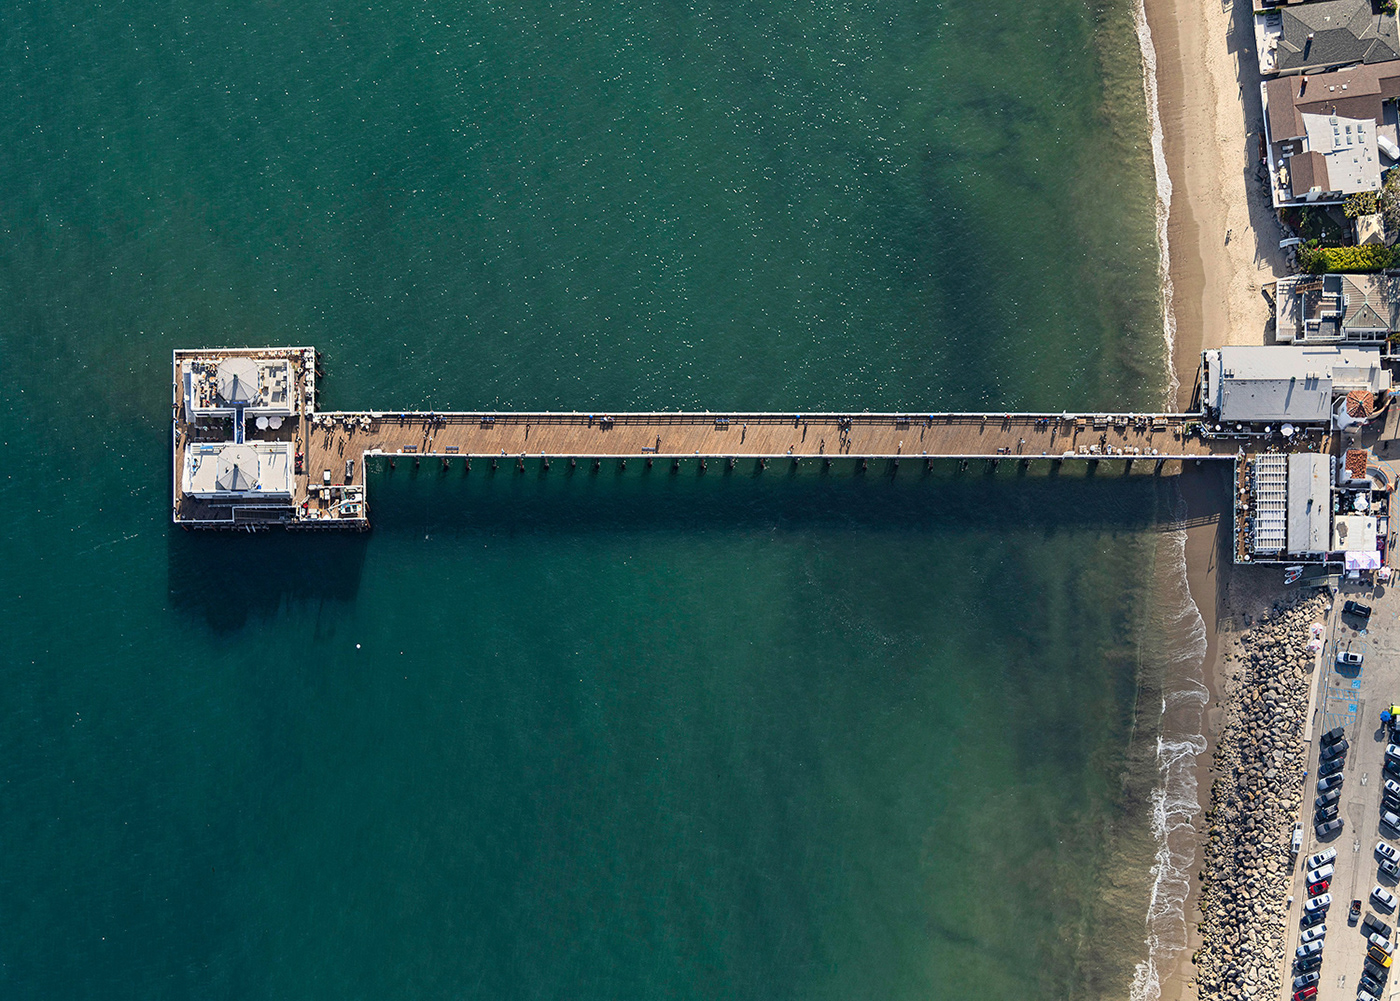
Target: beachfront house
[1332,309]
[1330,135]
[1315,37]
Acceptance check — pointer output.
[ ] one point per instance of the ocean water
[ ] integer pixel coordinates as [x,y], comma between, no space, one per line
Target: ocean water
[545,735]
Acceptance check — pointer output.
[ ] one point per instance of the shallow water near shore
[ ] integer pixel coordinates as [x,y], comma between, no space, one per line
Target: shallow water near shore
[582,735]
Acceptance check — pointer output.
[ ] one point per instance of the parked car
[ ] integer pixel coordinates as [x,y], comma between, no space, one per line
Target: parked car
[1336,765]
[1306,965]
[1390,820]
[1389,868]
[1313,934]
[1297,845]
[1379,956]
[1321,886]
[1325,813]
[1348,658]
[1360,996]
[1330,782]
[1327,799]
[1356,608]
[1305,980]
[1309,949]
[1328,827]
[1319,859]
[1321,903]
[1306,994]
[1377,925]
[1370,984]
[1335,750]
[1384,899]
[1392,750]
[1386,851]
[1381,942]
[1321,872]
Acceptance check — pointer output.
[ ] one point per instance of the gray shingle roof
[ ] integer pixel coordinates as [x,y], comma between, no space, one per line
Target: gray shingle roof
[1344,31]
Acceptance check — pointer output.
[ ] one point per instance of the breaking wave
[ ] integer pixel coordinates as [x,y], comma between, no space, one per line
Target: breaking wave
[1175,798]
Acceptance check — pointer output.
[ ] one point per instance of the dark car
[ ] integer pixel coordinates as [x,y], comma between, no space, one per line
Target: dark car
[1356,608]
[1327,813]
[1370,983]
[1330,782]
[1333,735]
[1322,829]
[1337,764]
[1327,799]
[1307,965]
[1389,868]
[1334,750]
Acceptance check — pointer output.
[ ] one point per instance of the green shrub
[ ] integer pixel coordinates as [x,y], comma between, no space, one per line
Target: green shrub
[1372,257]
[1361,203]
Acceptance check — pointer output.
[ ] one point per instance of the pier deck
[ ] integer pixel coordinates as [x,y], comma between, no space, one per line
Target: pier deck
[325,441]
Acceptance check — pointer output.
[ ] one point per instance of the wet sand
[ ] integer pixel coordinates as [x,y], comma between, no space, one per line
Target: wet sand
[1223,236]
[1222,231]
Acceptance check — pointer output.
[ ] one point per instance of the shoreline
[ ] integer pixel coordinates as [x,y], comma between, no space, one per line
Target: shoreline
[1221,229]
[1221,250]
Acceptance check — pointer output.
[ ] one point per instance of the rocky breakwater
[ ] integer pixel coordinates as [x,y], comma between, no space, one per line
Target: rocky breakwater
[1260,763]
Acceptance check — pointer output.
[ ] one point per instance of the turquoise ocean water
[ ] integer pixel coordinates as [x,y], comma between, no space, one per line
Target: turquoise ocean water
[594,736]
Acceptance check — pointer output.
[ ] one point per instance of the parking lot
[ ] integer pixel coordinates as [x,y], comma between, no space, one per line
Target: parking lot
[1353,698]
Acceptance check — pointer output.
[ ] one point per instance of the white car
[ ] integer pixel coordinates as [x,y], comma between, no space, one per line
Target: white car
[1309,949]
[1321,859]
[1384,898]
[1380,942]
[1320,903]
[1391,820]
[1316,932]
[1392,787]
[1386,851]
[1320,873]
[1346,658]
[1392,750]
[1297,836]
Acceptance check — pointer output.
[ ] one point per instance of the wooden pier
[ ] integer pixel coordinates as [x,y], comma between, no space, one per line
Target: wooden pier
[327,488]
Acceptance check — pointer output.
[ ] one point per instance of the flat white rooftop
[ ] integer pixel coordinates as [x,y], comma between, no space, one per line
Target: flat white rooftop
[248,471]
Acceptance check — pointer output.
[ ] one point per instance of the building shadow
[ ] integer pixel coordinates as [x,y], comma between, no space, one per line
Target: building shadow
[224,579]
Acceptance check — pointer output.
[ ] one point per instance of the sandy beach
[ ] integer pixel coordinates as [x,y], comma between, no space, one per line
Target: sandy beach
[1223,239]
[1222,231]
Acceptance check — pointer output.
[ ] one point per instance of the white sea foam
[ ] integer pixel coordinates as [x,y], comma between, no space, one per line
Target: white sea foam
[1164,194]
[1175,800]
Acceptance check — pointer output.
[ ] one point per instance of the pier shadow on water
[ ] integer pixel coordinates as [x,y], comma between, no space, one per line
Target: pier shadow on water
[583,500]
[227,578]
